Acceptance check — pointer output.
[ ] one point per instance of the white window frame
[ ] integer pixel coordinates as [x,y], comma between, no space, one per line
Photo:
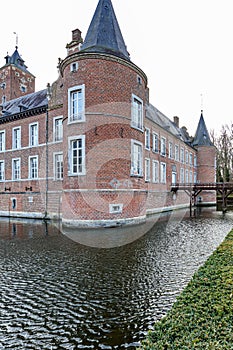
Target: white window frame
[136,158]
[155,142]
[190,176]
[31,169]
[74,67]
[182,155]
[71,141]
[186,176]
[182,175]
[16,137]
[57,129]
[186,157]
[163,146]
[195,160]
[73,104]
[163,172]
[137,113]
[14,170]
[55,168]
[177,153]
[190,159]
[2,140]
[170,150]
[147,169]
[2,170]
[33,139]
[155,171]
[147,139]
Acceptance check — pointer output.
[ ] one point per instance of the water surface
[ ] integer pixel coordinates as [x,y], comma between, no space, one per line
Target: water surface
[57,293]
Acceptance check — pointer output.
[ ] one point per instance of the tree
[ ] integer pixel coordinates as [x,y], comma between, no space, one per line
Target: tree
[224,154]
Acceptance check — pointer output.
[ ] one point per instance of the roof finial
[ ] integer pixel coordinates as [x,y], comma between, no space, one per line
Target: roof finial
[202,102]
[16,39]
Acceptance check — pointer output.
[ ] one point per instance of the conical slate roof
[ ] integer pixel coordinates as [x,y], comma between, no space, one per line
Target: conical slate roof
[202,137]
[104,34]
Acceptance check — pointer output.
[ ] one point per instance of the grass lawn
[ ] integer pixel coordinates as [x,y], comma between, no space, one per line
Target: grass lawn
[202,317]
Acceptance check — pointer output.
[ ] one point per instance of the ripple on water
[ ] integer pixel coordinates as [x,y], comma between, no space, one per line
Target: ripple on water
[57,294]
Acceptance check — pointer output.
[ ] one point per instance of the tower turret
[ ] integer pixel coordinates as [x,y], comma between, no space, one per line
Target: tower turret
[206,155]
[15,79]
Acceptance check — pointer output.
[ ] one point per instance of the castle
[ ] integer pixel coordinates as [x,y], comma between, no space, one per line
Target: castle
[90,149]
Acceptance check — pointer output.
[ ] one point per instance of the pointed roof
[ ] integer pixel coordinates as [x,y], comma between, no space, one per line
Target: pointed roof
[104,34]
[16,60]
[202,137]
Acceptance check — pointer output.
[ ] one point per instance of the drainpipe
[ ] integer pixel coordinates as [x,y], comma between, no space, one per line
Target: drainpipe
[47,153]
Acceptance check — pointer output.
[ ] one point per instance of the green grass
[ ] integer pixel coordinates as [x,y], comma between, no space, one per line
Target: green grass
[202,317]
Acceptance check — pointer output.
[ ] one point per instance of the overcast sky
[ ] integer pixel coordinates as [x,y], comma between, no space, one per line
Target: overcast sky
[183,46]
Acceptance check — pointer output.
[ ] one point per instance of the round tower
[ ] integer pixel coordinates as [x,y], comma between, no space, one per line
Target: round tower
[104,112]
[206,161]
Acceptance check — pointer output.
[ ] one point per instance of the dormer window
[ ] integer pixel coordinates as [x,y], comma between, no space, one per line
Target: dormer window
[74,67]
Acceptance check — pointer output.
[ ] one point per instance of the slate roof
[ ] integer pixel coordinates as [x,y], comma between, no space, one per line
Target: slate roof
[28,102]
[104,34]
[16,60]
[163,121]
[202,137]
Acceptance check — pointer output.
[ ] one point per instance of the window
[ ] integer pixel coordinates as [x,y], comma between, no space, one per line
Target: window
[74,67]
[58,129]
[136,158]
[155,142]
[186,176]
[182,175]
[76,104]
[2,170]
[163,146]
[58,166]
[155,171]
[77,156]
[33,134]
[176,152]
[170,150]
[163,173]
[194,177]
[190,176]
[186,157]
[195,160]
[16,169]
[137,113]
[190,159]
[16,138]
[147,138]
[2,141]
[147,169]
[182,155]
[33,167]
[115,208]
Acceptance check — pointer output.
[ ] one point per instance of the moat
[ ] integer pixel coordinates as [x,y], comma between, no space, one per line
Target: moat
[67,291]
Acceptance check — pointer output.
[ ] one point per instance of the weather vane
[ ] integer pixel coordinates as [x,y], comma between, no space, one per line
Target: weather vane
[202,102]
[16,39]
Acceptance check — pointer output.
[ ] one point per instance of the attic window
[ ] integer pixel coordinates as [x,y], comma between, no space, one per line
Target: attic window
[74,67]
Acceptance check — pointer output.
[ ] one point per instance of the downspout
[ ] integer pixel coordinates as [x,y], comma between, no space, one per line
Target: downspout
[47,153]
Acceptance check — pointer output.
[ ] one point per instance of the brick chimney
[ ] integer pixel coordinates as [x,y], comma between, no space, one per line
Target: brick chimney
[176,121]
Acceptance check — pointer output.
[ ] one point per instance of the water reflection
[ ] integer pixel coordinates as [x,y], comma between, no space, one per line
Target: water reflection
[60,294]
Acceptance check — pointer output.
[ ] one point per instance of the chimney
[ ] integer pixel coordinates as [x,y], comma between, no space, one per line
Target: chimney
[76,36]
[176,121]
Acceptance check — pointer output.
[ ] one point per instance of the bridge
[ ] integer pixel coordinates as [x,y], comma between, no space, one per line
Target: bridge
[224,200]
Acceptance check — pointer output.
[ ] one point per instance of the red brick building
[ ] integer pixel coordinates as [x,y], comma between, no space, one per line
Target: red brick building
[90,149]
